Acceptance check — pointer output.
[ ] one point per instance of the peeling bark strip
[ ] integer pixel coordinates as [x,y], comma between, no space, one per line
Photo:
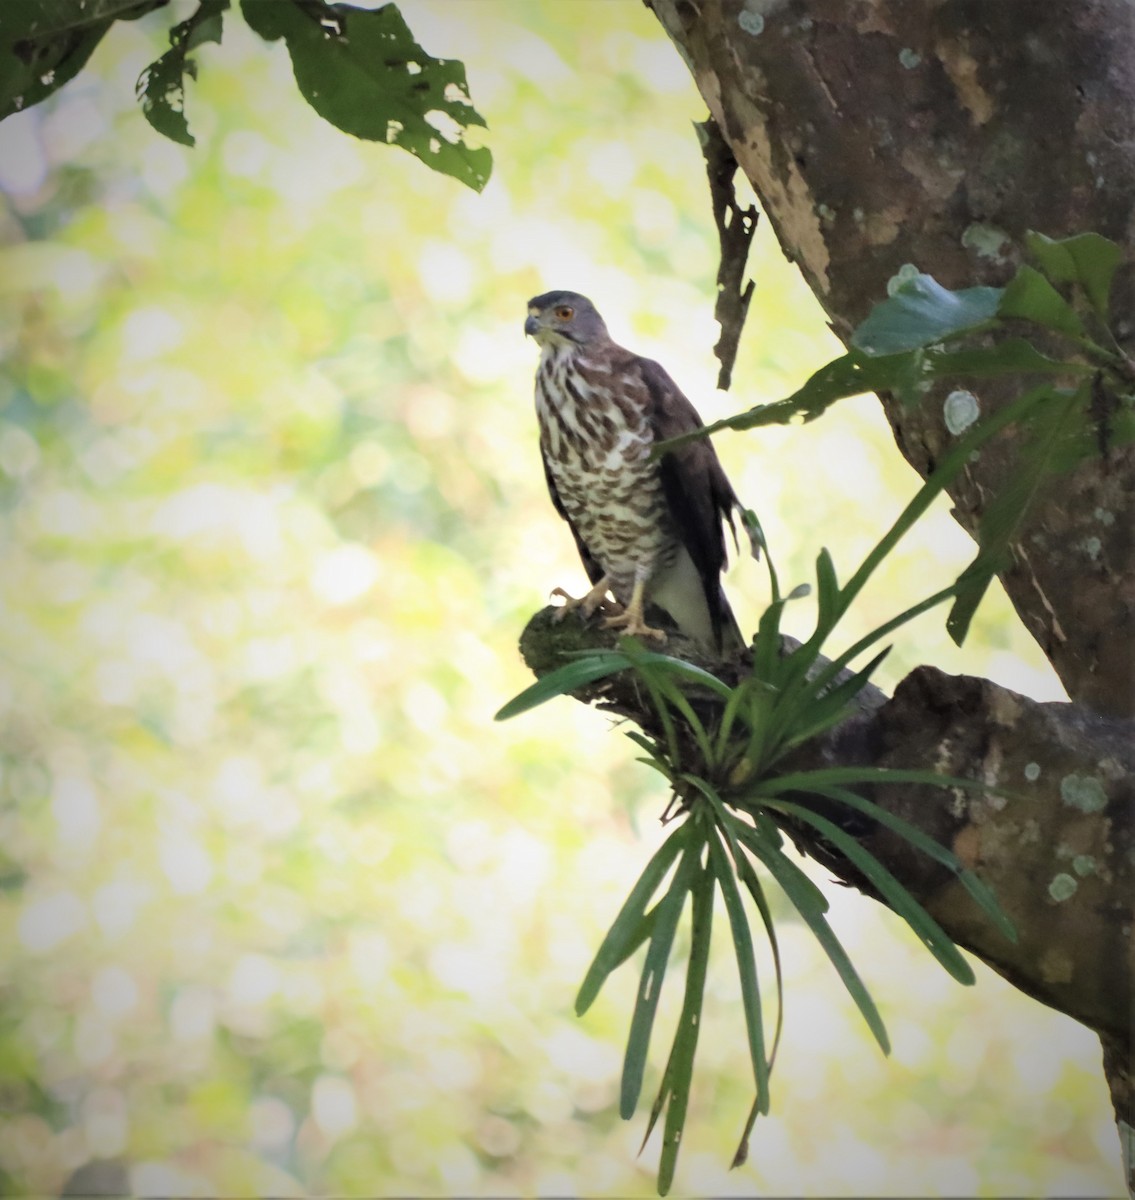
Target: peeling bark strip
[880,132]
[735,229]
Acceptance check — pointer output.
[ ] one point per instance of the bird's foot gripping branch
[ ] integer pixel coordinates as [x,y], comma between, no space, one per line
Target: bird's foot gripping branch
[788,741]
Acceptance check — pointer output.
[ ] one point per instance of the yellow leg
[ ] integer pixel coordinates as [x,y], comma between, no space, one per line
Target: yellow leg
[587,604]
[631,620]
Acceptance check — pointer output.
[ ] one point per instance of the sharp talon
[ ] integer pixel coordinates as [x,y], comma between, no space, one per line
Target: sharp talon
[595,600]
[633,625]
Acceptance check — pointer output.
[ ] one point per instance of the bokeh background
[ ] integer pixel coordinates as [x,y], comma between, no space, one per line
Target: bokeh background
[283,910]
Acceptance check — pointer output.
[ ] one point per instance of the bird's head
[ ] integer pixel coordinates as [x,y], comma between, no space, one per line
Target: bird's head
[564,319]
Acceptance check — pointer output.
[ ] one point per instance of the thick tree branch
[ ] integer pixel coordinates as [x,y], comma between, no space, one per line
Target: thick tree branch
[1059,853]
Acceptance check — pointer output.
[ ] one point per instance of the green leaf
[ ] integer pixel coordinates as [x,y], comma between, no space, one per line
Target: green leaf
[820,712]
[653,973]
[161,86]
[1087,259]
[675,667]
[627,932]
[1010,356]
[750,880]
[827,590]
[1031,297]
[749,876]
[1053,426]
[829,673]
[46,43]
[657,758]
[799,781]
[361,70]
[564,680]
[853,374]
[920,312]
[980,891]
[925,928]
[746,968]
[680,1069]
[766,643]
[811,904]
[948,468]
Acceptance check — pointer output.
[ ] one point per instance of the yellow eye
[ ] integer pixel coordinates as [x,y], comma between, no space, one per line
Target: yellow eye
[565,312]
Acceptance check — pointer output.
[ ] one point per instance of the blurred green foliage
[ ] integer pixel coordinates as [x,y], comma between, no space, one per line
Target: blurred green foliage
[282,910]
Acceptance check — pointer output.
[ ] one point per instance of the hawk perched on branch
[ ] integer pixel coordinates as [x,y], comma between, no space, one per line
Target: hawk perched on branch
[647,531]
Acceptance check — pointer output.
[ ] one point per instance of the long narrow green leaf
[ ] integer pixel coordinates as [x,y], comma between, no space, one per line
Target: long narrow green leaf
[766,644]
[852,374]
[1005,513]
[673,747]
[661,685]
[749,876]
[771,839]
[1011,356]
[653,972]
[564,680]
[746,967]
[809,715]
[689,1026]
[824,677]
[980,891]
[827,590]
[948,468]
[665,1090]
[621,938]
[898,899]
[676,667]
[956,458]
[647,744]
[803,781]
[802,893]
[733,705]
[655,756]
[750,880]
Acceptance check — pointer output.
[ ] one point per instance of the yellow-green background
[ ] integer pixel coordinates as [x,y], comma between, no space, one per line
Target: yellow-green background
[284,910]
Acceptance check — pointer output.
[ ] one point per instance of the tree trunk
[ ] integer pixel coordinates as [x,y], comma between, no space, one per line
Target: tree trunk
[878,133]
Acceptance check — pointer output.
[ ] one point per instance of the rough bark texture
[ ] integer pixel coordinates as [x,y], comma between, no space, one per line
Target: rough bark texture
[881,132]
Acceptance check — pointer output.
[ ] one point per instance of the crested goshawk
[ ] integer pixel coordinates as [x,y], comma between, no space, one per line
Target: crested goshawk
[649,531]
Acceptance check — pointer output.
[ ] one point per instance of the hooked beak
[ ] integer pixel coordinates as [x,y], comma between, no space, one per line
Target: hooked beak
[532,326]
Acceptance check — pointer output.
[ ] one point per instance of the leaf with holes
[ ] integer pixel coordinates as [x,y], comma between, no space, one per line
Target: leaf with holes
[45,43]
[675,1091]
[633,924]
[653,973]
[161,86]
[361,70]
